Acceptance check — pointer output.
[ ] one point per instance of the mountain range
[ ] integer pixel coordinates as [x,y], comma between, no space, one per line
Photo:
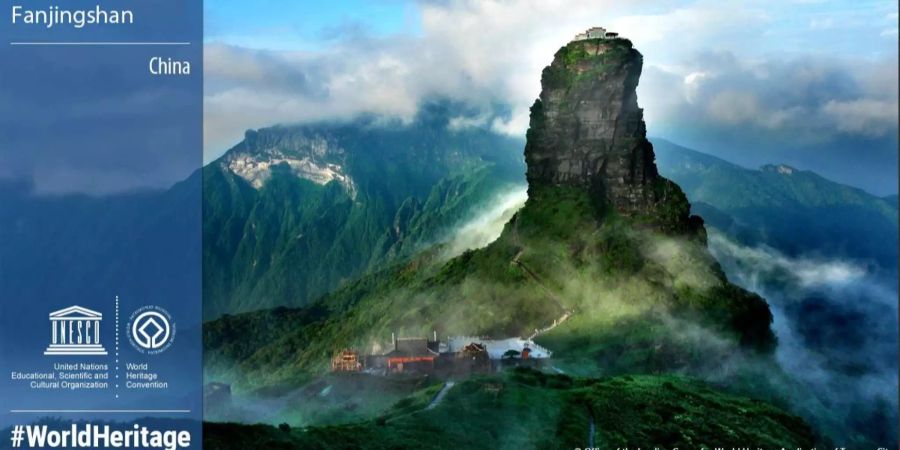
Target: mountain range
[597,210]
[290,214]
[324,236]
[296,239]
[795,211]
[604,265]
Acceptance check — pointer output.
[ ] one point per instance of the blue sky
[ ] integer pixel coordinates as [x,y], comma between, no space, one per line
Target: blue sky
[808,83]
[798,26]
[303,25]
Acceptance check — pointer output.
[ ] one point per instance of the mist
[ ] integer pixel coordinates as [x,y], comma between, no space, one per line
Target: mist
[486,223]
[836,323]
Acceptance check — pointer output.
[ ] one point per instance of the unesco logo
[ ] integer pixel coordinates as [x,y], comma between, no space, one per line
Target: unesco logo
[75,331]
[151,330]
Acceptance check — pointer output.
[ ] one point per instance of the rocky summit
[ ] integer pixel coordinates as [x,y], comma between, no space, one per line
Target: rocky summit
[587,129]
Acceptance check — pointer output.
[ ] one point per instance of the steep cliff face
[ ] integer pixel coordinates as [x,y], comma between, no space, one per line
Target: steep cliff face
[314,157]
[587,129]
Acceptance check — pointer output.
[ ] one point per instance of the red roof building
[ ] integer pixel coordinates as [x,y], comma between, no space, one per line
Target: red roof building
[412,355]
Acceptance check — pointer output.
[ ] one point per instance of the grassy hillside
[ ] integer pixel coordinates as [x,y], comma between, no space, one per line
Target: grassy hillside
[525,409]
[630,291]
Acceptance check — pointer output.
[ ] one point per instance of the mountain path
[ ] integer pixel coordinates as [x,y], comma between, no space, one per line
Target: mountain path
[567,313]
[440,395]
[592,430]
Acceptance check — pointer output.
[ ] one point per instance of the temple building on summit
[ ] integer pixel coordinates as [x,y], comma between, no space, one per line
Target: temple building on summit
[595,33]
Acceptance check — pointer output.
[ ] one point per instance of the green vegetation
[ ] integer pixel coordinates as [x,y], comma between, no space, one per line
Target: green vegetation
[293,241]
[673,412]
[329,400]
[673,213]
[586,59]
[573,54]
[632,289]
[632,294]
[529,409]
[793,210]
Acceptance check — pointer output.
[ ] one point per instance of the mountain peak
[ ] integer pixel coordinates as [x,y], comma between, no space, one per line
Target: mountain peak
[586,128]
[316,157]
[782,169]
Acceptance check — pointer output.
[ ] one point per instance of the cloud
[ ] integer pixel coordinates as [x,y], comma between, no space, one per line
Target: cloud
[716,74]
[248,88]
[810,97]
[691,25]
[480,53]
[863,116]
[815,112]
[836,320]
[805,272]
[487,224]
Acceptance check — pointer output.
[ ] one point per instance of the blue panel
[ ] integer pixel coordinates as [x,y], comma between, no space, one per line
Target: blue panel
[100,209]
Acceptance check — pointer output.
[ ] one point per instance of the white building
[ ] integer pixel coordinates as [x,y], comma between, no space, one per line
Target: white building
[497,348]
[595,33]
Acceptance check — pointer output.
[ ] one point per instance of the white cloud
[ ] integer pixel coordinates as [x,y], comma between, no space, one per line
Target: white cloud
[477,52]
[864,116]
[462,122]
[803,292]
[821,23]
[487,224]
[485,53]
[689,25]
[806,272]
[810,98]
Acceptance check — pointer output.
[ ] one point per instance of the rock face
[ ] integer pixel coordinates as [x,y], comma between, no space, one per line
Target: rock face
[587,129]
[312,157]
